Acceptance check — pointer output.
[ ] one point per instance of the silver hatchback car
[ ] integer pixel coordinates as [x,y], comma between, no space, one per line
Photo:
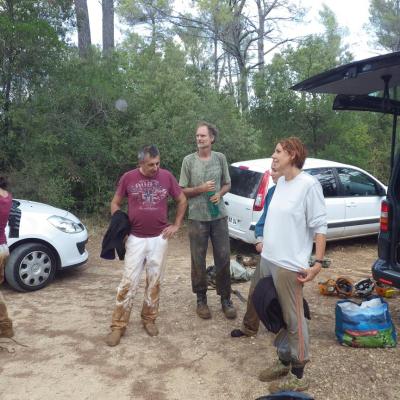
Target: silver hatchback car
[42,239]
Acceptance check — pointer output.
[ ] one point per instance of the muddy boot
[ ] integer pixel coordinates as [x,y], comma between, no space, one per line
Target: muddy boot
[290,383]
[202,308]
[6,330]
[150,328]
[275,371]
[228,308]
[114,337]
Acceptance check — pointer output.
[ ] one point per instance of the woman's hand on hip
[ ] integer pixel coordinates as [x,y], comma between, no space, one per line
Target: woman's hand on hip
[307,275]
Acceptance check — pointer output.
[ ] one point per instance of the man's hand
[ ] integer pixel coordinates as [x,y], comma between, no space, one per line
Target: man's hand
[307,275]
[169,231]
[209,186]
[259,247]
[216,198]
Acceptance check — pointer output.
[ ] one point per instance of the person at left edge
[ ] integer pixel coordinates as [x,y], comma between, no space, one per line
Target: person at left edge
[6,326]
[147,189]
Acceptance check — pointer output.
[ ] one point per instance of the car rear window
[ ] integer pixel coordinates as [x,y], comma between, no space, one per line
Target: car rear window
[244,182]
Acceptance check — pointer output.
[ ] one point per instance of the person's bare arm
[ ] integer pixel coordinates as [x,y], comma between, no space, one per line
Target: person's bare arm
[181,204]
[116,203]
[208,186]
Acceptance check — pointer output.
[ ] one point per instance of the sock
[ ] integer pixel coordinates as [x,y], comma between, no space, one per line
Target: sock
[298,371]
[285,363]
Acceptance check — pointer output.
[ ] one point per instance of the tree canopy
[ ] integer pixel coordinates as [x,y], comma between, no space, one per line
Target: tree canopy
[71,122]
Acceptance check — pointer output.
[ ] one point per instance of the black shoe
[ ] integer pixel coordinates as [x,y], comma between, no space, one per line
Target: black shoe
[237,333]
[228,308]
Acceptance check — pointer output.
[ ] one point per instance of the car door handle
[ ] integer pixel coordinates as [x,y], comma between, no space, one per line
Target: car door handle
[352,204]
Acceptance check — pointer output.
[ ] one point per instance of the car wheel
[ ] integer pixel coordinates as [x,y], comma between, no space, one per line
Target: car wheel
[31,266]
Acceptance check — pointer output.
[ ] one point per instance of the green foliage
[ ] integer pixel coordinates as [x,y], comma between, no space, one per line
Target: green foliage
[279,112]
[385,23]
[30,45]
[77,143]
[152,13]
[64,139]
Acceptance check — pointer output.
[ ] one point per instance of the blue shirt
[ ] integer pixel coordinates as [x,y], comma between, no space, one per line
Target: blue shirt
[259,229]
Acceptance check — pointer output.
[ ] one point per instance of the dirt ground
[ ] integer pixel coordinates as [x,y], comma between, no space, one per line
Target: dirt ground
[63,356]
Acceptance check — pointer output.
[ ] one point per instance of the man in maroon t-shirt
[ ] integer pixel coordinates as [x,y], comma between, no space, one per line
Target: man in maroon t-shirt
[147,189]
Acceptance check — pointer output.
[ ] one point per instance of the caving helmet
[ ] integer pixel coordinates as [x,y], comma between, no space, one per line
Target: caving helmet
[328,287]
[364,287]
[344,286]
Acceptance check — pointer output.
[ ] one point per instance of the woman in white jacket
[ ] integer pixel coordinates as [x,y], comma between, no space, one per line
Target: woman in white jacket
[296,217]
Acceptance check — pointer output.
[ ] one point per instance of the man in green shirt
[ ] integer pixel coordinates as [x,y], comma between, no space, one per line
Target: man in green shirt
[205,179]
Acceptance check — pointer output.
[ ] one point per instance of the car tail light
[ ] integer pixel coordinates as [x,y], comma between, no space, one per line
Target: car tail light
[385,281]
[385,208]
[262,191]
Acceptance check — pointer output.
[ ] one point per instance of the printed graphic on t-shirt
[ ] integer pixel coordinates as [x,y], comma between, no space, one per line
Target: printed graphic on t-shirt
[147,193]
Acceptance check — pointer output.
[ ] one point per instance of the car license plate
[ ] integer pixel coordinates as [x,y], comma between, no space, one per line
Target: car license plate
[232,221]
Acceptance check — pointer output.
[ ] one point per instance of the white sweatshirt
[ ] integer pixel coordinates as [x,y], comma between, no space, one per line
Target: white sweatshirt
[296,213]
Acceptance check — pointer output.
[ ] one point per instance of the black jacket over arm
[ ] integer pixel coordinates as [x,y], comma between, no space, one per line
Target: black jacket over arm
[267,306]
[114,238]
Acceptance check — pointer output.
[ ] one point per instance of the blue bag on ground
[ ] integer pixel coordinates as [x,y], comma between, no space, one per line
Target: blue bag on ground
[368,324]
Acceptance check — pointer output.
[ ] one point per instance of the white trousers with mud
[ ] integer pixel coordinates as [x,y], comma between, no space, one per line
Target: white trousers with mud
[142,254]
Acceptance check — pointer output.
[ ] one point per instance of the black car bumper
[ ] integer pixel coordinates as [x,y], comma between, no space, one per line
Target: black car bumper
[383,272]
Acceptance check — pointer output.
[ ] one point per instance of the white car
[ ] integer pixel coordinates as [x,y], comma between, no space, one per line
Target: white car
[42,239]
[352,196]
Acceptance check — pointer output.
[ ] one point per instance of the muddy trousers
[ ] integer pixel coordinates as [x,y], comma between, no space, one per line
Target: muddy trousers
[147,254]
[292,343]
[199,233]
[5,321]
[251,322]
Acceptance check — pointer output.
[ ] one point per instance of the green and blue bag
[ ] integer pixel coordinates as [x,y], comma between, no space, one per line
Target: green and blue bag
[368,324]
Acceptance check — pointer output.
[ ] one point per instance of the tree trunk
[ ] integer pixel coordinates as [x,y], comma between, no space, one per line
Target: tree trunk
[153,33]
[243,86]
[230,78]
[108,26]
[216,69]
[397,13]
[8,66]
[261,32]
[83,25]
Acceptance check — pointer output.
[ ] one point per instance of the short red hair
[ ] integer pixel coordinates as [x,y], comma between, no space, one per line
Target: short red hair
[295,147]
